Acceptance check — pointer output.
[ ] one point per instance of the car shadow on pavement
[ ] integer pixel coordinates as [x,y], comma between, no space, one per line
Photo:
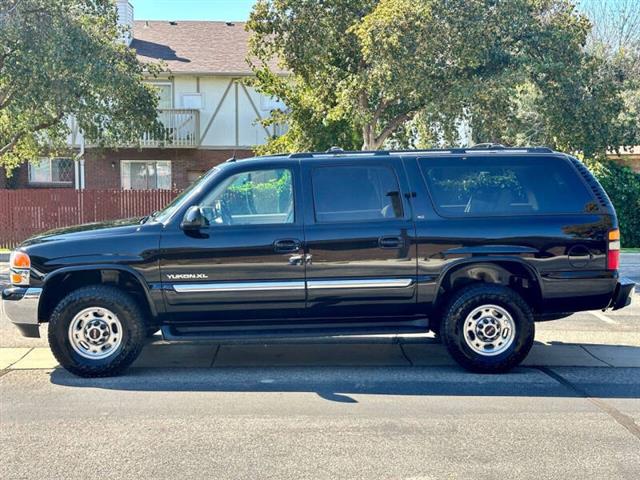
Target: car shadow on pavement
[552,370]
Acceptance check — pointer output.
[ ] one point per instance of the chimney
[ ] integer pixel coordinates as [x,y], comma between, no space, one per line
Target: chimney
[125,18]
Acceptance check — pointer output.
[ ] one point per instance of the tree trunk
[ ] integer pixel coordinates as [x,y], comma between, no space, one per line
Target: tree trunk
[369,139]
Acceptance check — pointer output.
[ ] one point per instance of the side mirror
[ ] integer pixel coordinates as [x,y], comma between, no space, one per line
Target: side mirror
[193,219]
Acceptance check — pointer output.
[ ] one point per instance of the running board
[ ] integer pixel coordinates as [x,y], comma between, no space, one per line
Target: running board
[193,333]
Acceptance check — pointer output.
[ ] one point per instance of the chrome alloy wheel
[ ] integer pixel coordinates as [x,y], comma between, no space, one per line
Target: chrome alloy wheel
[95,333]
[489,330]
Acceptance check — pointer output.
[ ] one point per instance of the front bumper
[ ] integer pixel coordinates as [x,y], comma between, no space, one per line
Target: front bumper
[622,294]
[20,304]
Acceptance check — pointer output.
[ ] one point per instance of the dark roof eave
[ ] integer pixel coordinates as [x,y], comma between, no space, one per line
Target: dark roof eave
[172,73]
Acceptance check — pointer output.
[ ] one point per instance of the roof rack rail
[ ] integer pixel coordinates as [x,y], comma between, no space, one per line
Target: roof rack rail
[479,148]
[334,151]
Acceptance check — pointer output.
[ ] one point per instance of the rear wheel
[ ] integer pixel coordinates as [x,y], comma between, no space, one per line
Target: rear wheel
[96,331]
[488,328]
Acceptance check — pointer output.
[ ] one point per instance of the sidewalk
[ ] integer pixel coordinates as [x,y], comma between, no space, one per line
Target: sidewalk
[407,353]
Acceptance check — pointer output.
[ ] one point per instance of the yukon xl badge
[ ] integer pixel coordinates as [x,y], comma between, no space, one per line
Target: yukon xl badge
[187,276]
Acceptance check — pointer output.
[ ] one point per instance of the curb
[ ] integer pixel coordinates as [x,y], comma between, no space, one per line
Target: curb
[408,355]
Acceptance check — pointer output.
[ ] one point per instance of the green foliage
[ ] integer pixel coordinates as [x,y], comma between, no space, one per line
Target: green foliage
[623,187]
[591,108]
[470,185]
[61,58]
[405,73]
[364,70]
[252,198]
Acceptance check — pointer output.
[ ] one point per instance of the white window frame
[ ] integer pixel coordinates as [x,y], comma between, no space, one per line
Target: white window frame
[164,84]
[125,163]
[195,95]
[50,181]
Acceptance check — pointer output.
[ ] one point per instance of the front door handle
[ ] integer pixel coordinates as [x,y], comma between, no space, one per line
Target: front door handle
[287,245]
[391,242]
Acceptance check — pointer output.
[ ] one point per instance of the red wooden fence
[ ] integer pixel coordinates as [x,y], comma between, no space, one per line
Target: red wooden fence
[26,212]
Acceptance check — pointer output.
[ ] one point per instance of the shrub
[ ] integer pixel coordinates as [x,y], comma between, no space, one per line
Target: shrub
[623,187]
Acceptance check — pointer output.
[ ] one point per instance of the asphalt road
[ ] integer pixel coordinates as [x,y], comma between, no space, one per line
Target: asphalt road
[322,423]
[390,408]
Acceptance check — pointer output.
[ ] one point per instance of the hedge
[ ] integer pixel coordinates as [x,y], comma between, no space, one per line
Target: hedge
[623,187]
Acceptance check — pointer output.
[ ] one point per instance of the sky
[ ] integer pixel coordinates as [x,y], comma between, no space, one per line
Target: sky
[192,9]
[237,9]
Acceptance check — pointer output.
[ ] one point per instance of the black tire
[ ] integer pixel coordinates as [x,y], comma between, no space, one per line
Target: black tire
[122,305]
[463,304]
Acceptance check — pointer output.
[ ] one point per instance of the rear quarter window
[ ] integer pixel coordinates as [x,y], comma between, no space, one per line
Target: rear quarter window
[492,186]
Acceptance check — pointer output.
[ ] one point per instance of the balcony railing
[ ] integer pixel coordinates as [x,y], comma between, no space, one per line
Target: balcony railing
[181,129]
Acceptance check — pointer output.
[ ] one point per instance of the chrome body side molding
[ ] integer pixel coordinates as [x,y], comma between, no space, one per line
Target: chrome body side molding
[361,283]
[293,285]
[237,286]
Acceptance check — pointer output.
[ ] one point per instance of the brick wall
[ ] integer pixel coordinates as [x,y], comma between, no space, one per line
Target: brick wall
[102,168]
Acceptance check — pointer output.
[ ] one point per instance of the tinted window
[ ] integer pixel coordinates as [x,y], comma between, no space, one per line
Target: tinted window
[355,193]
[251,198]
[505,186]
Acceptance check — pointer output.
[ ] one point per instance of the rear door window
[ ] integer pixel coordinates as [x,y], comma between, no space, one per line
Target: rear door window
[490,186]
[347,193]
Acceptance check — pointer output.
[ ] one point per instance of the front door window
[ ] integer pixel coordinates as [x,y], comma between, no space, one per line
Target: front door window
[259,197]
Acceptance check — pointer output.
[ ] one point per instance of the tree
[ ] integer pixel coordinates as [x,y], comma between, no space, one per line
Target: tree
[615,36]
[615,24]
[374,67]
[589,104]
[62,58]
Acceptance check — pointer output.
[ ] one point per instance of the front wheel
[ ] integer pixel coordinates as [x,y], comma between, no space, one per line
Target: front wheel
[488,328]
[96,331]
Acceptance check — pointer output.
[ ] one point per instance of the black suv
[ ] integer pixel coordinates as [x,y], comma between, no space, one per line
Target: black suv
[473,244]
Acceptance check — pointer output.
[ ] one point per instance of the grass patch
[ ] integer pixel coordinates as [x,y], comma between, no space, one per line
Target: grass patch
[631,250]
[5,250]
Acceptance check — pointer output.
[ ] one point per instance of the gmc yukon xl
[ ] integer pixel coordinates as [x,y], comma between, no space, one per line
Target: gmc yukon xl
[473,244]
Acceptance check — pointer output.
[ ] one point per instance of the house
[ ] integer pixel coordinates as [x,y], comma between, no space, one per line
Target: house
[209,113]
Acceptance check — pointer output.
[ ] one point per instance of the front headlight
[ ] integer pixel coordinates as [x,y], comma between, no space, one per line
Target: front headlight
[20,266]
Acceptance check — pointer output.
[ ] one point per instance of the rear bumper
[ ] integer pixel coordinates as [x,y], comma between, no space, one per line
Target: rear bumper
[622,294]
[21,307]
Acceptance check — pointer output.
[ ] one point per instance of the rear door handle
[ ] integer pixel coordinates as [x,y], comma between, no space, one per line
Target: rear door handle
[390,242]
[286,245]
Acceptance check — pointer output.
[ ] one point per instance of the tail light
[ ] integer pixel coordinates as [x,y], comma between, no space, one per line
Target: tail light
[20,266]
[613,250]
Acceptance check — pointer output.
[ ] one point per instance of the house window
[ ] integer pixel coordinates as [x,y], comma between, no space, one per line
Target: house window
[165,95]
[51,170]
[145,174]
[192,101]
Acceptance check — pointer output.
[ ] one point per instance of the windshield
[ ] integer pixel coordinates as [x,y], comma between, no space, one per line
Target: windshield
[167,212]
